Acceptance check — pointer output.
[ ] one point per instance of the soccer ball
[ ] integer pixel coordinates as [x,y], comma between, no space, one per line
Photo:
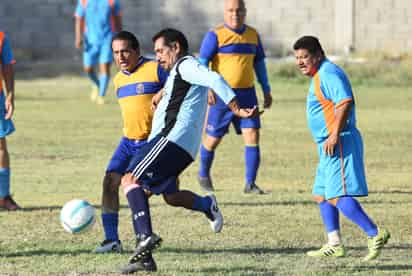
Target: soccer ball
[77,216]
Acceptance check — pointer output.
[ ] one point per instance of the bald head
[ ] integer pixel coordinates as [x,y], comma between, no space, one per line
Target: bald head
[234,13]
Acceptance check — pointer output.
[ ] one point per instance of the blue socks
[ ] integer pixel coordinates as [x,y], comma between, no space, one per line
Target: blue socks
[4,182]
[103,83]
[110,226]
[92,76]
[206,160]
[330,216]
[351,208]
[202,204]
[252,162]
[139,204]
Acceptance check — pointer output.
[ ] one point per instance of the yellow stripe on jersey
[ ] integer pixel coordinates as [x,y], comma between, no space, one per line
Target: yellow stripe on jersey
[235,57]
[134,92]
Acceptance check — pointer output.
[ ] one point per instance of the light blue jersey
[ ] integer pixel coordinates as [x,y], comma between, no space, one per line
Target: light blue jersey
[181,113]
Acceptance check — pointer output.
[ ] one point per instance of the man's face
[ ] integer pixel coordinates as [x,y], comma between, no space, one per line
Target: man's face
[308,64]
[166,55]
[125,57]
[234,13]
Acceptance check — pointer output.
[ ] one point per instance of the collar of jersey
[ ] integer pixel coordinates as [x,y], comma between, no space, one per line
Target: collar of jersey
[241,30]
[140,61]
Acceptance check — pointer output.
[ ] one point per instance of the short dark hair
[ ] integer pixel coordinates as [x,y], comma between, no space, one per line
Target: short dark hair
[310,43]
[128,36]
[172,35]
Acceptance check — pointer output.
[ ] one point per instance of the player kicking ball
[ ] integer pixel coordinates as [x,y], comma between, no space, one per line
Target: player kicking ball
[173,142]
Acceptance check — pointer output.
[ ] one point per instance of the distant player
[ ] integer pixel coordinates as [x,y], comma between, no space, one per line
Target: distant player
[340,175]
[234,50]
[95,23]
[6,125]
[136,86]
[173,141]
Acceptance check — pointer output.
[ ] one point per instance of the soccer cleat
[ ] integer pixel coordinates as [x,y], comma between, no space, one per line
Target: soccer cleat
[94,94]
[108,246]
[146,264]
[9,204]
[100,100]
[328,251]
[144,247]
[375,244]
[206,184]
[253,189]
[216,222]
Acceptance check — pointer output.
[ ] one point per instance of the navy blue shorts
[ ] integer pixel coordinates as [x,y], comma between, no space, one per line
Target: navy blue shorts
[124,152]
[158,164]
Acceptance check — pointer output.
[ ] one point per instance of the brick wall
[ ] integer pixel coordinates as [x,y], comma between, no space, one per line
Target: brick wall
[45,27]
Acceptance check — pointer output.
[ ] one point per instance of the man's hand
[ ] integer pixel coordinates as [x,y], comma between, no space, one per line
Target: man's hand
[330,143]
[156,99]
[211,97]
[9,104]
[243,112]
[267,101]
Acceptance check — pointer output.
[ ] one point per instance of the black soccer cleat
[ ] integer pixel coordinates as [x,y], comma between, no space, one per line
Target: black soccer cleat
[253,189]
[147,264]
[144,246]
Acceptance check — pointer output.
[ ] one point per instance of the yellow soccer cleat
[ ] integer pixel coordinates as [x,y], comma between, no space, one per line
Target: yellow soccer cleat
[328,251]
[94,94]
[376,244]
[100,100]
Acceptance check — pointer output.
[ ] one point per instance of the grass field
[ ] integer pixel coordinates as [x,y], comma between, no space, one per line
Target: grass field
[63,143]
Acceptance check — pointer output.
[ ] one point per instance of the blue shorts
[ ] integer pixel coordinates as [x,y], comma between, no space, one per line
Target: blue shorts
[124,152]
[97,53]
[220,117]
[342,174]
[158,164]
[6,126]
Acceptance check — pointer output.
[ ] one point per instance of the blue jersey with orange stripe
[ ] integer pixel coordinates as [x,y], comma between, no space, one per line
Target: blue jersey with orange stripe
[98,17]
[6,55]
[134,91]
[233,54]
[329,88]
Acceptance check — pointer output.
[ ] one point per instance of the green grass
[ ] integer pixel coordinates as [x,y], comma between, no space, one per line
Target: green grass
[63,143]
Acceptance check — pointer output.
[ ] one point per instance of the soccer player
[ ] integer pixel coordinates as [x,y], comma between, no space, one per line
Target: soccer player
[6,124]
[136,87]
[234,50]
[174,140]
[340,176]
[95,23]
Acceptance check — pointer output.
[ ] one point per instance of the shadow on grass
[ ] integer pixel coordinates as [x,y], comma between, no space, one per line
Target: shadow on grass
[391,192]
[45,252]
[385,267]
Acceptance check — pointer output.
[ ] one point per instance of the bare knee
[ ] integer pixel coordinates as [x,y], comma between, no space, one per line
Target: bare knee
[211,143]
[318,199]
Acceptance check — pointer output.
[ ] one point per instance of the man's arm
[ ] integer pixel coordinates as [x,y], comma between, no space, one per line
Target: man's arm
[208,50]
[8,75]
[78,29]
[195,73]
[341,116]
[261,74]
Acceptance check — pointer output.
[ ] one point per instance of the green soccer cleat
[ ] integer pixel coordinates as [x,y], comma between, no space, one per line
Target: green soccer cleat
[376,244]
[328,251]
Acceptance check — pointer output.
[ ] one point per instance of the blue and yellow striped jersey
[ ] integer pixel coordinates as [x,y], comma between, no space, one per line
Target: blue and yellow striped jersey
[134,91]
[233,54]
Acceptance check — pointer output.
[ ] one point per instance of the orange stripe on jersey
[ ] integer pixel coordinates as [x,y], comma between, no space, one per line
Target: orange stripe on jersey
[2,36]
[327,105]
[342,167]
[339,104]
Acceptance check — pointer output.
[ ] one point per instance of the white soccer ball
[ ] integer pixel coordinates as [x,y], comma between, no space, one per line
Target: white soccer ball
[77,216]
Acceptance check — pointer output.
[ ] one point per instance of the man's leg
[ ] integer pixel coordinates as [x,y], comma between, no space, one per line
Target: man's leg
[6,201]
[192,201]
[207,154]
[252,159]
[110,213]
[104,78]
[377,238]
[330,218]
